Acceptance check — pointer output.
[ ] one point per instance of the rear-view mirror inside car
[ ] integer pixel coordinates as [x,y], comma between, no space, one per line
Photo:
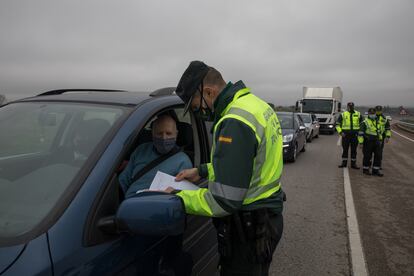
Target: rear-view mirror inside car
[151,213]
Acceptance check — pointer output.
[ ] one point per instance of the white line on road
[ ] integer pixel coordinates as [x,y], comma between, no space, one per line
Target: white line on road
[402,135]
[357,253]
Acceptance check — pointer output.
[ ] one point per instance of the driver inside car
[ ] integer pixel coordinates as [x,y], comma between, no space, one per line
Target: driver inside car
[164,137]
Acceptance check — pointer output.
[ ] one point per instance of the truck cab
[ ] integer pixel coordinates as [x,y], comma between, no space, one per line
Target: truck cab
[325,103]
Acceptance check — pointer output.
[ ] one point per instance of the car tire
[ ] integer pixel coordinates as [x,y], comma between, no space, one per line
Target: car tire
[310,137]
[294,154]
[317,135]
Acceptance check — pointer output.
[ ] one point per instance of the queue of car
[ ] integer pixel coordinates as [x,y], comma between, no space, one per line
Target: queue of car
[298,129]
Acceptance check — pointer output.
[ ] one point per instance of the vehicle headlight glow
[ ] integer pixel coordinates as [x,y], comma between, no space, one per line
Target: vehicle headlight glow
[287,138]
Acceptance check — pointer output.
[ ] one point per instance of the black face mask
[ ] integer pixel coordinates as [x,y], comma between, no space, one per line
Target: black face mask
[205,114]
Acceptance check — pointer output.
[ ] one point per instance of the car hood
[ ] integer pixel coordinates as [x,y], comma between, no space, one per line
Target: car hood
[287,131]
[8,255]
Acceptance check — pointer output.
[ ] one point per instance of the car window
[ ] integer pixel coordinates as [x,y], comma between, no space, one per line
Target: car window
[286,121]
[43,148]
[305,118]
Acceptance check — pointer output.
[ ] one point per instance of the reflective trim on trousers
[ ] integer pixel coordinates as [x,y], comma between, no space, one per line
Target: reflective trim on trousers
[365,168]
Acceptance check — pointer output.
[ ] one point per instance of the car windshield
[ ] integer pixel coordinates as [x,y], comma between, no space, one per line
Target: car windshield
[286,121]
[43,146]
[306,118]
[317,106]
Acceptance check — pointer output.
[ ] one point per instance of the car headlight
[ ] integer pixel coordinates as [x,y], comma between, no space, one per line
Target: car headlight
[287,138]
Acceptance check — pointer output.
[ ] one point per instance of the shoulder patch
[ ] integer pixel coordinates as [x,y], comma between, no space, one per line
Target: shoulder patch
[225,139]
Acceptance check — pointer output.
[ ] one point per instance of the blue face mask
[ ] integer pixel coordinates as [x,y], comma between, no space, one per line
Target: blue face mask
[164,146]
[372,117]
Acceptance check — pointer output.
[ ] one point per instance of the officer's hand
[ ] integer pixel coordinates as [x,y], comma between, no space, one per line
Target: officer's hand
[387,140]
[169,190]
[189,174]
[342,134]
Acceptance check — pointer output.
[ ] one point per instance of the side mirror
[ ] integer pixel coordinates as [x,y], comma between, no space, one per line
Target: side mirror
[297,106]
[151,214]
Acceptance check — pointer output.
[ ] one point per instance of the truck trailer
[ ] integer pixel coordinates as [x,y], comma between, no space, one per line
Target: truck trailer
[324,102]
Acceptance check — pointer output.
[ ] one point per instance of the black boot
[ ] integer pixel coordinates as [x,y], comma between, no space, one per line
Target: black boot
[377,173]
[354,165]
[343,165]
[366,171]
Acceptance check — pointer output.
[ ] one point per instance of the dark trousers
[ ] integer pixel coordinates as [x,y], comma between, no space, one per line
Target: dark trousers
[372,147]
[350,139]
[242,259]
[381,154]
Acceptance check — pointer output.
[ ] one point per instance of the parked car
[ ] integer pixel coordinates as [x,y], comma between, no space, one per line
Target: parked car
[294,134]
[311,124]
[61,210]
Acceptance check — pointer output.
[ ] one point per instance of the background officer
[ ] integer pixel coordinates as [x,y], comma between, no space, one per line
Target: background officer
[244,191]
[385,128]
[347,126]
[370,135]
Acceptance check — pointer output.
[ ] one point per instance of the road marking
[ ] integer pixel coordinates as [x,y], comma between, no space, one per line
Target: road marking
[402,135]
[355,245]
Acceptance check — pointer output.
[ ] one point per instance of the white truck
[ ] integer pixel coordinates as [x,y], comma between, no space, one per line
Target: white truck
[325,103]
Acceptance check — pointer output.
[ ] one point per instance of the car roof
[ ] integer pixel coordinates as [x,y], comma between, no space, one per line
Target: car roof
[103,96]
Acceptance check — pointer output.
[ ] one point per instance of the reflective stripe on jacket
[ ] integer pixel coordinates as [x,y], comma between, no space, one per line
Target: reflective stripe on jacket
[370,129]
[348,121]
[221,199]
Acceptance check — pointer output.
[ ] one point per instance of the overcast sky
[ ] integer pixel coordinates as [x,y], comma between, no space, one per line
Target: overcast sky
[275,47]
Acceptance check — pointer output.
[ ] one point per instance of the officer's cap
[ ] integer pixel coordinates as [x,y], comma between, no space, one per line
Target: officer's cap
[371,111]
[190,80]
[378,108]
[350,104]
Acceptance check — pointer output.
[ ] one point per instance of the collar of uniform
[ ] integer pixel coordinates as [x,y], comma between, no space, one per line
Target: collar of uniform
[225,97]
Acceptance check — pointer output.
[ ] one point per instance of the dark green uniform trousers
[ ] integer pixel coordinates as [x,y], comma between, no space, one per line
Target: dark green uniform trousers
[242,260]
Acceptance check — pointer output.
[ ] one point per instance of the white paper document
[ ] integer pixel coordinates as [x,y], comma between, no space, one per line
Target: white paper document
[162,181]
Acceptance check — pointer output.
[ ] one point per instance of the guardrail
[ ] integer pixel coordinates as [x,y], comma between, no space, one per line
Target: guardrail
[407,126]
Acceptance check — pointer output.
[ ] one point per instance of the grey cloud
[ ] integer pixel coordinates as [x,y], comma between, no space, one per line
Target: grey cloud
[276,47]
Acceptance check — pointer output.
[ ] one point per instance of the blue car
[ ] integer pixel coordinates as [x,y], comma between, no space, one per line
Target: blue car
[61,208]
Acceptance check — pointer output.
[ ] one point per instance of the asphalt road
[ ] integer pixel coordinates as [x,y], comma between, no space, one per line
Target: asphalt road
[385,210]
[315,240]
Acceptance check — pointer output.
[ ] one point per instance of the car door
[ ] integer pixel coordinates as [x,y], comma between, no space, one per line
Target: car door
[104,252]
[301,133]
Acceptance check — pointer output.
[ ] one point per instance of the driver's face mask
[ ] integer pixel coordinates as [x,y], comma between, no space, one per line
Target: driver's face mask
[164,146]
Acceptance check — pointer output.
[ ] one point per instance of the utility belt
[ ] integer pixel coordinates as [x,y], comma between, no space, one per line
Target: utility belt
[247,227]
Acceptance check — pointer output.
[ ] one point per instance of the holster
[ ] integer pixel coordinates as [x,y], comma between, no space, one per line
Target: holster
[224,232]
[251,228]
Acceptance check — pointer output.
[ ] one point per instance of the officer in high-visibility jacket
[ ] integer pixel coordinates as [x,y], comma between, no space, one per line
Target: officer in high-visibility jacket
[244,193]
[347,126]
[385,128]
[370,136]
